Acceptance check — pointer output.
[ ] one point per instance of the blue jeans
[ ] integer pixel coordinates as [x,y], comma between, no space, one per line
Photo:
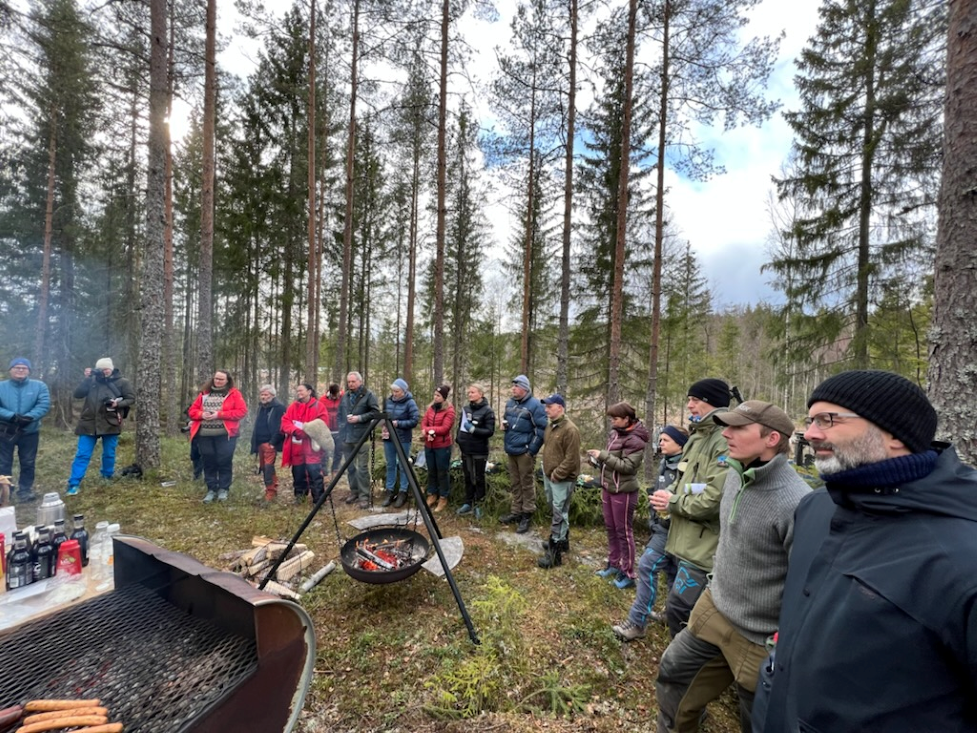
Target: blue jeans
[26,445]
[559,496]
[437,462]
[393,464]
[86,446]
[653,560]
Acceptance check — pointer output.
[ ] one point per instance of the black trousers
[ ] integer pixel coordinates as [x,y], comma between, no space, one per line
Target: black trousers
[217,454]
[308,477]
[474,471]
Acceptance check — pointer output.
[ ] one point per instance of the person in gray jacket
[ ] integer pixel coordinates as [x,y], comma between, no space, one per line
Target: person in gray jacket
[23,402]
[737,614]
[358,410]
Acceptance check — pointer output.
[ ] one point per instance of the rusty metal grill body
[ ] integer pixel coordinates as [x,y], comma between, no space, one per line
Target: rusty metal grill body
[176,647]
[153,666]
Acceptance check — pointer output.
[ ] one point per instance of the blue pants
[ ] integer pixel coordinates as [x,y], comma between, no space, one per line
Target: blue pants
[438,461]
[86,446]
[393,464]
[653,560]
[26,445]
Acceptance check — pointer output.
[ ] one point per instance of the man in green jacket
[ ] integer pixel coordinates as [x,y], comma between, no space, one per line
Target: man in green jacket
[695,506]
[561,465]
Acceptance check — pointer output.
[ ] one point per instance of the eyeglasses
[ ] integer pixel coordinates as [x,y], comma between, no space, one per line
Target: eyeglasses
[826,420]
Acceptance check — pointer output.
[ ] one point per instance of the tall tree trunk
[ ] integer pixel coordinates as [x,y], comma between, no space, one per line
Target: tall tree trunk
[42,296]
[439,325]
[312,333]
[860,336]
[614,347]
[342,332]
[205,334]
[951,371]
[412,266]
[563,336]
[170,359]
[528,241]
[651,393]
[151,275]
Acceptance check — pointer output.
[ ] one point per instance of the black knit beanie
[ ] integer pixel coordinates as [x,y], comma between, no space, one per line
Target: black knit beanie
[889,401]
[714,392]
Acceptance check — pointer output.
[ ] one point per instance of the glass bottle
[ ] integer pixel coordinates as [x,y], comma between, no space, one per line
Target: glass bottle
[44,555]
[81,535]
[19,570]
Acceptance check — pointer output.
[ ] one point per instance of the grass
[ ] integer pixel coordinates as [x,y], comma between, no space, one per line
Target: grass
[397,657]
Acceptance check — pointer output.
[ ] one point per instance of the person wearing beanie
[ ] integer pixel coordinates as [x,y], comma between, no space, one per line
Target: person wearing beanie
[358,410]
[737,614]
[877,626]
[655,559]
[476,424]
[107,398]
[267,438]
[694,507]
[23,402]
[404,414]
[524,422]
[620,462]
[436,429]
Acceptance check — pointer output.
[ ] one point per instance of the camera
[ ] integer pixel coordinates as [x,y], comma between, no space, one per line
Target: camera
[109,405]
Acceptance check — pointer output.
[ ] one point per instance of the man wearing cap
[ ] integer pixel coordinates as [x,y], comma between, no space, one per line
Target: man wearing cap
[107,398]
[738,612]
[877,627]
[694,508]
[524,423]
[561,464]
[23,402]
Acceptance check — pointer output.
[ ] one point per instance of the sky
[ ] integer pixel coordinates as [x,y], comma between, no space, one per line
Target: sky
[725,219]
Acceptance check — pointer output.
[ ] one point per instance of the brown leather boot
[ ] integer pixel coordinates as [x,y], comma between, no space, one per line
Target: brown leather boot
[442,504]
[431,500]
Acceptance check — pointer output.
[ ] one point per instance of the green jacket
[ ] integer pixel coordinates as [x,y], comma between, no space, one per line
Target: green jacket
[561,450]
[695,507]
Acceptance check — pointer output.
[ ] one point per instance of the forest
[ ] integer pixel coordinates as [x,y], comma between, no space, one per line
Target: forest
[327,212]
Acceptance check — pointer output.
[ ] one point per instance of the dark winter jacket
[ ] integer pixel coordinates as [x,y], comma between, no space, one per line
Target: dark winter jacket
[405,411]
[439,418]
[480,423]
[25,397]
[877,628]
[96,417]
[268,426]
[622,458]
[562,450]
[526,422]
[364,405]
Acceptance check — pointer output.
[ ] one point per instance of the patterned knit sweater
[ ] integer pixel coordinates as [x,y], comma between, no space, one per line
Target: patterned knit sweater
[757,519]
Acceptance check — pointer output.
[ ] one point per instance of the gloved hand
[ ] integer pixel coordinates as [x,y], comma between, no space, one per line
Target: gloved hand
[23,420]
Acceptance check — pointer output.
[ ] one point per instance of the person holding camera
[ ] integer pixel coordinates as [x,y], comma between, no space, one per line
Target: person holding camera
[108,397]
[23,402]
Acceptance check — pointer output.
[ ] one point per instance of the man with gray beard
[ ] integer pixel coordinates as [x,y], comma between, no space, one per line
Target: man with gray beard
[877,627]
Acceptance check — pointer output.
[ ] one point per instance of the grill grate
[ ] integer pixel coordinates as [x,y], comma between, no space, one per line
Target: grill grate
[155,667]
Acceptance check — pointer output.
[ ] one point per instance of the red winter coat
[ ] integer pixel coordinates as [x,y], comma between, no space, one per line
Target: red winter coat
[297,454]
[232,412]
[332,410]
[441,421]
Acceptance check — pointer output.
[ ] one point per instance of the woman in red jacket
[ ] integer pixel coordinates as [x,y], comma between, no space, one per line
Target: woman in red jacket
[297,451]
[214,420]
[436,431]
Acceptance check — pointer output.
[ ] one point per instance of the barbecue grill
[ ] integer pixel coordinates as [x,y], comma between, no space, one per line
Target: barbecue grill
[176,647]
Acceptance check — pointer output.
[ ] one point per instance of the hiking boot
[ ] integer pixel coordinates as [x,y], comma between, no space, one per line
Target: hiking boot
[511,518]
[209,497]
[431,500]
[442,504]
[464,509]
[477,512]
[401,499]
[31,496]
[623,581]
[222,495]
[627,631]
[363,504]
[658,617]
[351,499]
[270,496]
[551,558]
[524,525]
[608,572]
[388,500]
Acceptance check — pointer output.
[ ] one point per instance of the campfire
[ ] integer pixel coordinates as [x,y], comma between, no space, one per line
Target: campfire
[384,555]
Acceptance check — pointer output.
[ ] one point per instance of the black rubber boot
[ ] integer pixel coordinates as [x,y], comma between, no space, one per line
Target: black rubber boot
[524,525]
[511,518]
[551,558]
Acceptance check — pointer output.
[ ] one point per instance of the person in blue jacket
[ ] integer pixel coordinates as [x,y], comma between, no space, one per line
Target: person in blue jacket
[403,413]
[524,423]
[23,402]
[877,627]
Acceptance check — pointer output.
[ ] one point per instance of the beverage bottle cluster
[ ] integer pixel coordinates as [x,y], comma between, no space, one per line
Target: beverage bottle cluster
[51,553]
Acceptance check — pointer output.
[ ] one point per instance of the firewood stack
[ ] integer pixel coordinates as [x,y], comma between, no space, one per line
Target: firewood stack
[253,565]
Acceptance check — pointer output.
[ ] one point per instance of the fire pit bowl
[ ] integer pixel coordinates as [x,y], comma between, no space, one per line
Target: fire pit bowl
[418,544]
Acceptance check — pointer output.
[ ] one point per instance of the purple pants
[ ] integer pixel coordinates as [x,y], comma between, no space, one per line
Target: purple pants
[618,511]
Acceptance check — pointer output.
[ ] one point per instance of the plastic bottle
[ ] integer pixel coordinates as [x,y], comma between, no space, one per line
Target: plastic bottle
[44,556]
[3,563]
[96,543]
[108,550]
[19,570]
[81,535]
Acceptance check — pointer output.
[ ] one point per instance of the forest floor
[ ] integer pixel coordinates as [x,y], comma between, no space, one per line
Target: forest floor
[398,657]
